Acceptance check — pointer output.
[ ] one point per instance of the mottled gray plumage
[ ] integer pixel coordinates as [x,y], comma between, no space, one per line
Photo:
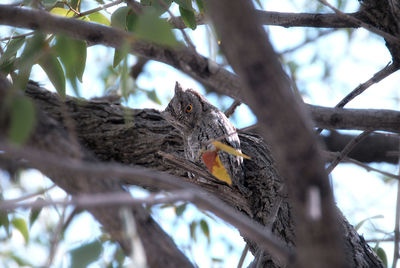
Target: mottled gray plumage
[201,122]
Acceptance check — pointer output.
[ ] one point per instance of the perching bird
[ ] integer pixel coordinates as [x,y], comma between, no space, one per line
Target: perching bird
[201,123]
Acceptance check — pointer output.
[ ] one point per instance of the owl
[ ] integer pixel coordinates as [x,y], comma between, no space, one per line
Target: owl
[200,123]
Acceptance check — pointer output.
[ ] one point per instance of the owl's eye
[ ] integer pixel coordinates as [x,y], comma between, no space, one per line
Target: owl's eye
[189,108]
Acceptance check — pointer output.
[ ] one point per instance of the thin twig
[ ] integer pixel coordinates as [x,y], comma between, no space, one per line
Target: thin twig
[56,237]
[397,224]
[99,199]
[387,36]
[347,149]
[307,41]
[189,166]
[187,39]
[376,78]
[101,7]
[243,256]
[232,108]
[375,240]
[379,76]
[369,168]
[25,197]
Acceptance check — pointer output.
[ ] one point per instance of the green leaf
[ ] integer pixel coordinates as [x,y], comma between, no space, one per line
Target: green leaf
[62,12]
[4,221]
[34,214]
[54,71]
[157,7]
[192,228]
[8,58]
[22,119]
[151,28]
[180,209]
[152,95]
[118,18]
[72,54]
[185,4]
[99,18]
[119,257]
[118,57]
[188,18]
[358,226]
[382,255]
[145,2]
[131,20]
[21,226]
[124,79]
[30,54]
[120,54]
[86,254]
[205,229]
[22,262]
[200,5]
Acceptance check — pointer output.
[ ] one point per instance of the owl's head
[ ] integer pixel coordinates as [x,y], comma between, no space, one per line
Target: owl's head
[185,109]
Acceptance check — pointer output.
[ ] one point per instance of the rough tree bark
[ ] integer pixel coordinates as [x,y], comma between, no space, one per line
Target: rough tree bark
[110,132]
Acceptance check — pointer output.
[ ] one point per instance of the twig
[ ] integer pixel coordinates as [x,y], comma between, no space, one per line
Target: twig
[397,224]
[187,39]
[379,76]
[99,199]
[369,168]
[189,166]
[25,197]
[347,149]
[387,36]
[307,41]
[138,255]
[375,240]
[101,7]
[232,108]
[56,237]
[243,256]
[376,78]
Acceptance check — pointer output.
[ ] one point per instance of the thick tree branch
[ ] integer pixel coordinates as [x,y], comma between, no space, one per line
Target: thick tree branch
[288,130]
[200,68]
[52,137]
[102,129]
[360,119]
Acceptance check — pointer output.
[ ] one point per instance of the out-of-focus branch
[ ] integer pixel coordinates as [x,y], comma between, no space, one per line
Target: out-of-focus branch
[150,178]
[287,129]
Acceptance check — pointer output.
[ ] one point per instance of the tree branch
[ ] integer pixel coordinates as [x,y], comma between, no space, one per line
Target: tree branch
[200,68]
[102,129]
[287,129]
[360,119]
[150,179]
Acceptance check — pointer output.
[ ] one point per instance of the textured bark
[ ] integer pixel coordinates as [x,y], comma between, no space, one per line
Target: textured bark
[113,133]
[52,136]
